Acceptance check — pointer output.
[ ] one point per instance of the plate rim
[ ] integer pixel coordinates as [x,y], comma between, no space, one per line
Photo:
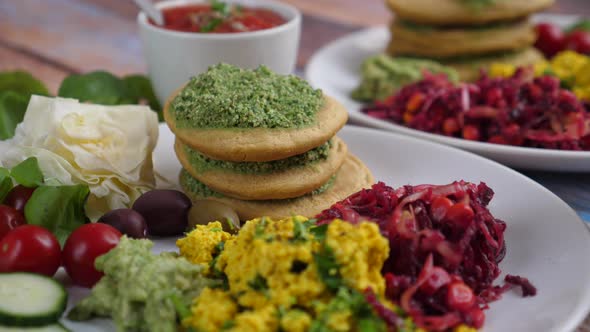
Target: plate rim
[474,146]
[583,309]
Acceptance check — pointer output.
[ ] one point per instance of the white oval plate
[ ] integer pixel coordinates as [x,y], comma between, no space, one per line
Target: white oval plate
[546,241]
[336,69]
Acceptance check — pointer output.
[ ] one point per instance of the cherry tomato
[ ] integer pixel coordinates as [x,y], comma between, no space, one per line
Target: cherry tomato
[460,296]
[81,249]
[30,248]
[18,197]
[550,39]
[579,41]
[9,219]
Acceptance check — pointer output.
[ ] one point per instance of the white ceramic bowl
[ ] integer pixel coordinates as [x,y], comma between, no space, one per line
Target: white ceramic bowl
[173,57]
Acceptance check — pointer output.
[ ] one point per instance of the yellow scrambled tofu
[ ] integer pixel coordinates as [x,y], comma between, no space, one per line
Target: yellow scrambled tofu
[288,275]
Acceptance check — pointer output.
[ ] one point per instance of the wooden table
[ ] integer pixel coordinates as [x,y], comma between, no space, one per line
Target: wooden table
[55,38]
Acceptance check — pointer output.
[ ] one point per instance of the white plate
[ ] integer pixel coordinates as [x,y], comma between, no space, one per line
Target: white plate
[546,241]
[336,69]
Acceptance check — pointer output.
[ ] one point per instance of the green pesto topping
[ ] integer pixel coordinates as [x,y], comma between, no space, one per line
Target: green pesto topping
[200,189]
[202,163]
[229,97]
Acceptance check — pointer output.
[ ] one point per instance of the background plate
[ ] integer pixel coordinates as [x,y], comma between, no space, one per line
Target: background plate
[336,69]
[546,241]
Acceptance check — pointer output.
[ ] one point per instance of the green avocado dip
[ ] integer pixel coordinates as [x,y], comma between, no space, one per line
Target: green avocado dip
[202,163]
[139,288]
[198,188]
[383,75]
[229,97]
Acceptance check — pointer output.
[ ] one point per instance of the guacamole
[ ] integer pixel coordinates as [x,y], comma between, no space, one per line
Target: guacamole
[383,75]
[229,97]
[203,163]
[137,288]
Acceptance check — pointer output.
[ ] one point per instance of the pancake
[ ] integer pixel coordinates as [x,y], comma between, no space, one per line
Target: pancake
[350,178]
[428,41]
[261,144]
[465,12]
[469,69]
[285,183]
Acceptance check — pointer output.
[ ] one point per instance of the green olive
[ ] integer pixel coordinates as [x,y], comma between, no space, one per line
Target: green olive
[205,211]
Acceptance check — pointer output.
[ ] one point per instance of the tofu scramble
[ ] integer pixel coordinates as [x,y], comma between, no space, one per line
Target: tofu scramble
[291,275]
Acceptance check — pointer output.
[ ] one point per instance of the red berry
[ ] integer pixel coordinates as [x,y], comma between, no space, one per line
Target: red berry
[439,207]
[460,297]
[578,41]
[437,279]
[550,39]
[460,214]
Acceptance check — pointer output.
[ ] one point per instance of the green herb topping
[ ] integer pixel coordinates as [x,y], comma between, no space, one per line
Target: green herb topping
[229,97]
[202,163]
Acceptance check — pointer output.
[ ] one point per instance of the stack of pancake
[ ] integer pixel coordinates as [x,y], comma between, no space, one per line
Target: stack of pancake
[273,172]
[467,35]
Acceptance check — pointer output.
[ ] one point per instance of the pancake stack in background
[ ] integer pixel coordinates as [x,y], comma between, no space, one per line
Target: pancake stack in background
[274,172]
[467,35]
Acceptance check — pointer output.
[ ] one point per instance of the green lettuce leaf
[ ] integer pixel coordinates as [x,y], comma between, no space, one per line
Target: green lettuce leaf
[98,87]
[59,209]
[5,183]
[22,83]
[28,173]
[140,88]
[12,111]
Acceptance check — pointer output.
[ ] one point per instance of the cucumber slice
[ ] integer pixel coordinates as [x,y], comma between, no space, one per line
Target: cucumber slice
[28,299]
[47,328]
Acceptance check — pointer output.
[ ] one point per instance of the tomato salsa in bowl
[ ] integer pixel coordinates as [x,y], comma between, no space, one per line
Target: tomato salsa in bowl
[201,33]
[219,17]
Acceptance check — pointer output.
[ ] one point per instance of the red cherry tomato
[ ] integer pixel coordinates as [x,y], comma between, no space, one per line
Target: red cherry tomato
[18,197]
[30,248]
[9,219]
[460,297]
[579,41]
[550,39]
[81,249]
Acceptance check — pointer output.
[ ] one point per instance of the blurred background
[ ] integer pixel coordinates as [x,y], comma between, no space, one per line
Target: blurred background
[55,38]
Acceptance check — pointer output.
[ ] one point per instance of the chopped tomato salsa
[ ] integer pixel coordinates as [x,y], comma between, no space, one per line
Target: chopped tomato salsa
[219,17]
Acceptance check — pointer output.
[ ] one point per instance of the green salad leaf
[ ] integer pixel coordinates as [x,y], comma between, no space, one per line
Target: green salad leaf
[28,173]
[22,83]
[104,88]
[13,106]
[98,87]
[16,88]
[5,183]
[60,209]
[139,89]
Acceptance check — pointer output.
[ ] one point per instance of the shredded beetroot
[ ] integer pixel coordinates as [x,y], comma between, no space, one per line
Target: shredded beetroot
[520,110]
[445,247]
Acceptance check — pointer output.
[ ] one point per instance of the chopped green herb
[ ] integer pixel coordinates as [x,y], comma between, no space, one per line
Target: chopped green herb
[211,25]
[259,284]
[228,325]
[319,232]
[328,268]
